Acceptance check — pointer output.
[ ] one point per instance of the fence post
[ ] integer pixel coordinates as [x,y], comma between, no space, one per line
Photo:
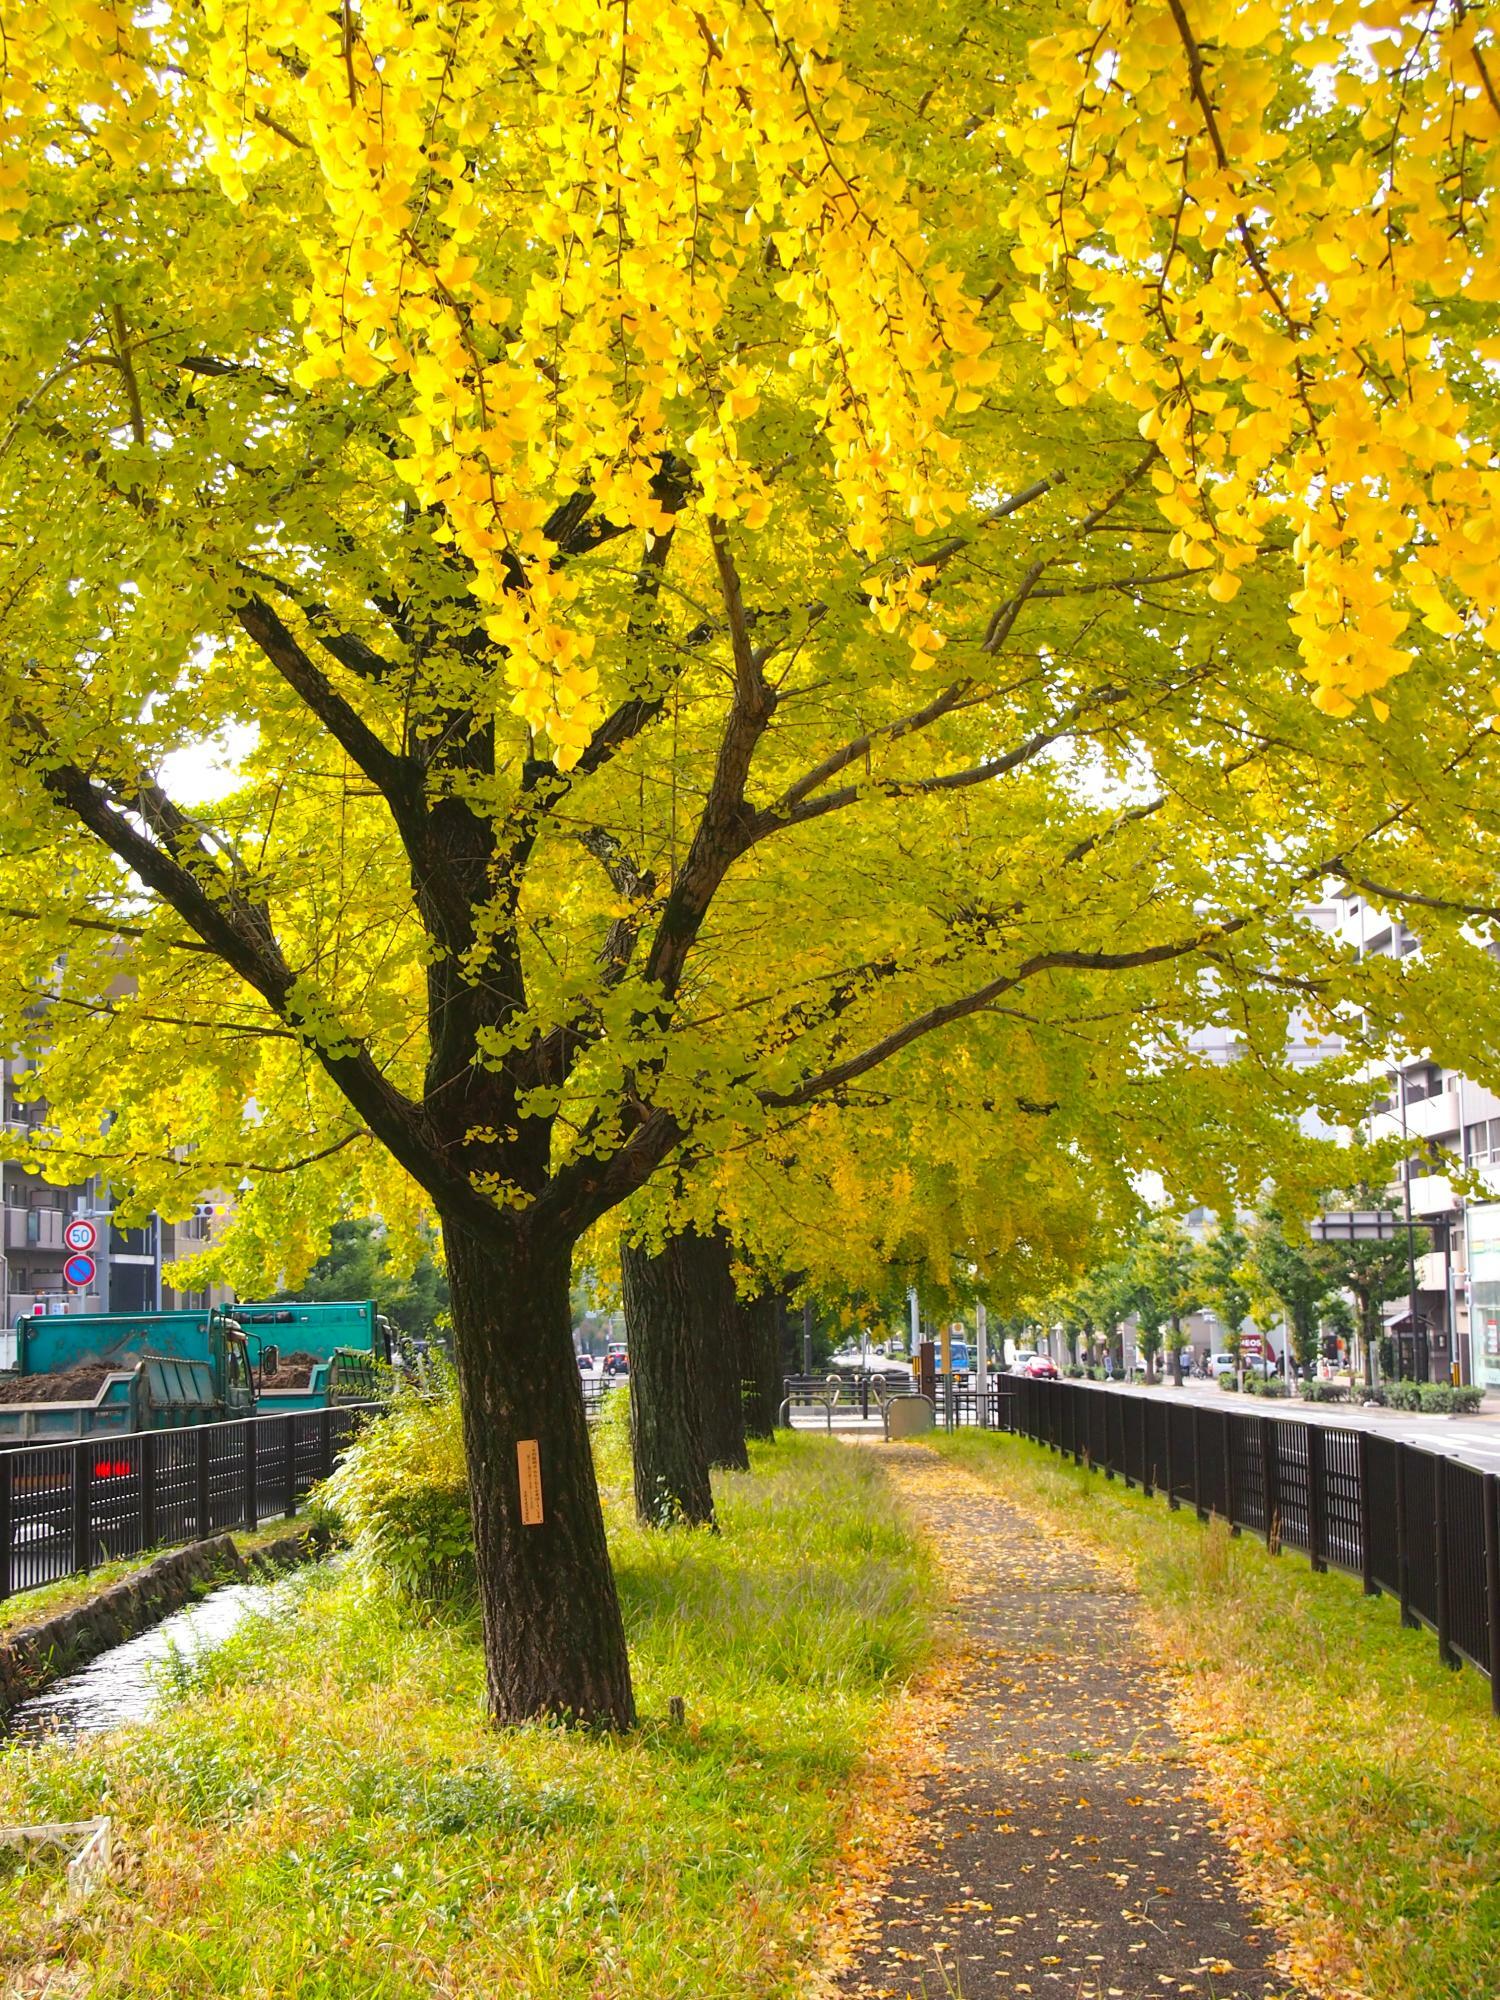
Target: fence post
[200,1483]
[82,1540]
[1440,1560]
[325,1441]
[1229,1494]
[1492,1581]
[1171,1467]
[1198,1507]
[1366,1544]
[864,1398]
[1146,1467]
[251,1497]
[290,1423]
[1080,1422]
[1270,1480]
[1317,1496]
[1119,1403]
[148,1489]
[1403,1541]
[7,1466]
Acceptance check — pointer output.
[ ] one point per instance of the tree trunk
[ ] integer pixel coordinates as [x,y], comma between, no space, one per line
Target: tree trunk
[667,1444]
[715,1309]
[554,1641]
[760,1361]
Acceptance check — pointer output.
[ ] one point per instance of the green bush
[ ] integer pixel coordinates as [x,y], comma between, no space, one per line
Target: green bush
[401,1499]
[1403,1396]
[1226,1380]
[1375,1398]
[1442,1399]
[1316,1391]
[1266,1385]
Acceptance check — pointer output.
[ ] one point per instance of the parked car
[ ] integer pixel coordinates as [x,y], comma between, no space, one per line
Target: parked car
[617,1360]
[1040,1367]
[1221,1364]
[586,1364]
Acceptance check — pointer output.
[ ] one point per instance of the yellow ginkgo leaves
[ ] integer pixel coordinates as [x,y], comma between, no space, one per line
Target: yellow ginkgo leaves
[1252,223]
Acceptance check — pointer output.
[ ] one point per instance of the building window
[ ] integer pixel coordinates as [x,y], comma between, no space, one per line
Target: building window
[1482,1143]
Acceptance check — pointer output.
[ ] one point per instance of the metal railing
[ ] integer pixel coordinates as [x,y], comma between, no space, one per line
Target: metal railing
[596,1392]
[955,1403]
[1418,1525]
[65,1508]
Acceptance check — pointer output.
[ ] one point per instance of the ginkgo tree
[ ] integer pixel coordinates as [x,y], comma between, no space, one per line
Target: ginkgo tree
[722,545]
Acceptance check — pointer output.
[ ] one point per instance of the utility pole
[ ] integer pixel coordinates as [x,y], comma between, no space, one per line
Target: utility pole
[1411,1246]
[981,1350]
[807,1336]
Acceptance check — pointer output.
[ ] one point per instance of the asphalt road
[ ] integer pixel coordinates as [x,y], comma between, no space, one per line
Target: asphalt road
[1472,1440]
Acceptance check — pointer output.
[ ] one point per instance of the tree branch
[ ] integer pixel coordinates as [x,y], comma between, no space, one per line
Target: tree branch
[240,934]
[391,773]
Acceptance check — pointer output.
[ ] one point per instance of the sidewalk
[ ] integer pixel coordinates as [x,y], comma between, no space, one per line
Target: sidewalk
[1062,1850]
[1475,1439]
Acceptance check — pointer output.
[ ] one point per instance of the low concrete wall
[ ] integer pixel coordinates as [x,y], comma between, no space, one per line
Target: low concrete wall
[32,1658]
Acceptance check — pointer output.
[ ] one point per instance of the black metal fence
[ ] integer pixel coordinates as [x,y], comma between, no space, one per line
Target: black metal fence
[1419,1525]
[65,1508]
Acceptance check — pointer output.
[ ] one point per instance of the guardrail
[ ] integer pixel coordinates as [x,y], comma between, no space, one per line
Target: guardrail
[65,1508]
[1420,1526]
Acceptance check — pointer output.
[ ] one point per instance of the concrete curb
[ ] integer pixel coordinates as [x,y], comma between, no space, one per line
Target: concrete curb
[32,1658]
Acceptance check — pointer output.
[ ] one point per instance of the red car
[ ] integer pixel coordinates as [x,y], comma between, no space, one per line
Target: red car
[1040,1367]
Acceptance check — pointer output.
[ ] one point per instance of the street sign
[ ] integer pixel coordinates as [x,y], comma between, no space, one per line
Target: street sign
[80,1272]
[80,1234]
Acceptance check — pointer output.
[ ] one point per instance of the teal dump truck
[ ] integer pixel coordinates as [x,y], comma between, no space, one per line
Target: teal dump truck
[74,1375]
[85,1375]
[309,1356]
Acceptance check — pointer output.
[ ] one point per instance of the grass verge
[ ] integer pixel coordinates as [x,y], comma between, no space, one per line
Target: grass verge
[322,1812]
[1358,1778]
[31,1607]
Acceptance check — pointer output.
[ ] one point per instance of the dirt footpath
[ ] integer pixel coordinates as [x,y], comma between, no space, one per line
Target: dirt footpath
[1062,1850]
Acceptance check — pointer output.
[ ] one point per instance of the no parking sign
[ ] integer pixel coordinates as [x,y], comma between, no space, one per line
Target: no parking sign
[80,1272]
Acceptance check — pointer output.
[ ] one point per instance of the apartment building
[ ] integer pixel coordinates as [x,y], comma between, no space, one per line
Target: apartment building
[34,1213]
[1439,1115]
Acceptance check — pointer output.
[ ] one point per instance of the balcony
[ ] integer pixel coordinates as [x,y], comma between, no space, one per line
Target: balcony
[34,1228]
[1432,1194]
[22,1304]
[1432,1117]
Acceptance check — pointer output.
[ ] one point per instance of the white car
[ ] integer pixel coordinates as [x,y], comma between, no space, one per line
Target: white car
[1221,1364]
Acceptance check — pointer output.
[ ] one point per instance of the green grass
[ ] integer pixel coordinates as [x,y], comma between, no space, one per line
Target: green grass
[1359,1775]
[322,1811]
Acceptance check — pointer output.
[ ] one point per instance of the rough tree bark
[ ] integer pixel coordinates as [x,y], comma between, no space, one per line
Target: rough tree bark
[668,1451]
[715,1308]
[760,1324]
[554,1638]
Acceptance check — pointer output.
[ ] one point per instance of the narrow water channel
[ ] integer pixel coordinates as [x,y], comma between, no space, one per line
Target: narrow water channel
[124,1684]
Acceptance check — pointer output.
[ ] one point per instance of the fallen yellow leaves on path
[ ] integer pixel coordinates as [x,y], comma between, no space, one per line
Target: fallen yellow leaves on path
[1057,1842]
